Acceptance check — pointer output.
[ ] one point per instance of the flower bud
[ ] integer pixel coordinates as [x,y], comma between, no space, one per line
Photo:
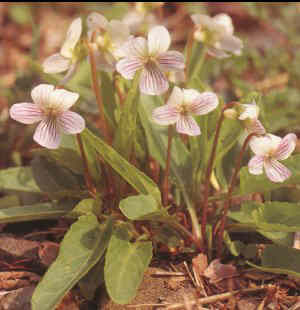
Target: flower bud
[231,114]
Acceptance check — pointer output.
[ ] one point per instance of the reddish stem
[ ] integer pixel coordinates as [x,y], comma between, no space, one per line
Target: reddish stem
[165,184]
[209,171]
[230,191]
[97,91]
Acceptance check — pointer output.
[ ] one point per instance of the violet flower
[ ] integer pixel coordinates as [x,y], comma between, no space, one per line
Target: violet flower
[269,150]
[180,108]
[50,108]
[153,58]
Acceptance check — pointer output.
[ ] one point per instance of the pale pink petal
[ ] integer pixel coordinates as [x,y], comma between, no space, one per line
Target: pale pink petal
[153,81]
[263,145]
[72,37]
[249,111]
[41,93]
[254,126]
[96,21]
[225,21]
[275,171]
[171,60]
[187,125]
[26,113]
[134,47]
[255,165]
[218,53]
[71,122]
[202,20]
[190,95]
[166,115]
[127,67]
[176,97]
[56,63]
[48,134]
[286,147]
[159,40]
[230,44]
[204,103]
[62,99]
[118,32]
[296,244]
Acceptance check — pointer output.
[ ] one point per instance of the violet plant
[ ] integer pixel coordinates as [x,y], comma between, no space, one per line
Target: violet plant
[111,186]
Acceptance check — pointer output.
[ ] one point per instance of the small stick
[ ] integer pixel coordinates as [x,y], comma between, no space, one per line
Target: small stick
[205,300]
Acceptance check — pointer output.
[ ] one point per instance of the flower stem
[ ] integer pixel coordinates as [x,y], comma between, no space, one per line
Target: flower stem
[229,193]
[209,171]
[87,175]
[96,83]
[165,184]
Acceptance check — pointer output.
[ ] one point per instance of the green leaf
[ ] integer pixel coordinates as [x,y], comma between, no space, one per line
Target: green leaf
[69,142]
[250,183]
[52,178]
[274,220]
[280,259]
[230,132]
[87,206]
[125,264]
[125,133]
[137,207]
[108,97]
[137,179]
[82,247]
[235,247]
[92,280]
[65,157]
[39,211]
[18,179]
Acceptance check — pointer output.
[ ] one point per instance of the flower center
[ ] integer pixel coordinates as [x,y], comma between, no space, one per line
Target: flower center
[183,109]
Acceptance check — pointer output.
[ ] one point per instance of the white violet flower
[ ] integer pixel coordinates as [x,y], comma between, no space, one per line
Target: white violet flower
[108,37]
[217,34]
[50,108]
[153,58]
[67,56]
[268,150]
[182,104]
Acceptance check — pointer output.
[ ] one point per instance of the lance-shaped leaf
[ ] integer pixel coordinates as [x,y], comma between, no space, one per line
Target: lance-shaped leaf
[137,179]
[280,259]
[127,125]
[39,211]
[125,264]
[81,248]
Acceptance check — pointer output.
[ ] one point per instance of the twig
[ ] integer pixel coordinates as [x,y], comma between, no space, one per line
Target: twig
[206,300]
